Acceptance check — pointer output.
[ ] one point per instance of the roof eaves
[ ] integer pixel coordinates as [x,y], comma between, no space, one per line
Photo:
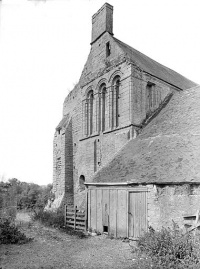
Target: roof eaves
[163,80]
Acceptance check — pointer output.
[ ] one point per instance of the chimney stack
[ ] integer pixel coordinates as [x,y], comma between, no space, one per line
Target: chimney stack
[102,21]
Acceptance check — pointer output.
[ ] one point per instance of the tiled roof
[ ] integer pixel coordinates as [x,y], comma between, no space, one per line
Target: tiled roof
[154,68]
[167,150]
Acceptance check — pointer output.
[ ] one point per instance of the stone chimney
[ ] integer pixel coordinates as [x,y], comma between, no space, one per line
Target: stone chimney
[102,21]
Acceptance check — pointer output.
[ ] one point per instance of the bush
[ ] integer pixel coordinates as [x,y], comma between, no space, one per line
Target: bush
[168,248]
[49,218]
[55,219]
[10,234]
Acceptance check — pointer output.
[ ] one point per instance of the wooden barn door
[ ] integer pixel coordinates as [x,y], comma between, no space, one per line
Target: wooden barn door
[105,210]
[137,213]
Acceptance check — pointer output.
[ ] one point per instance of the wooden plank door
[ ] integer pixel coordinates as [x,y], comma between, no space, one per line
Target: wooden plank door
[137,214]
[105,209]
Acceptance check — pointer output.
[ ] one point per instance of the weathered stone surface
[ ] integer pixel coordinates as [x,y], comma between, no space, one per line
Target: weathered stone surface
[148,136]
[168,203]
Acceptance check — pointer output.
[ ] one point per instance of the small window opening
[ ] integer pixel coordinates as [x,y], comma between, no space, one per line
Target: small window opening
[58,131]
[105,229]
[191,189]
[95,155]
[108,49]
[151,101]
[115,102]
[103,109]
[90,113]
[81,183]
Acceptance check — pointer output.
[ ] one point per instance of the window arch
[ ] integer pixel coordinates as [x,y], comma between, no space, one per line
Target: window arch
[90,107]
[102,108]
[115,102]
[81,183]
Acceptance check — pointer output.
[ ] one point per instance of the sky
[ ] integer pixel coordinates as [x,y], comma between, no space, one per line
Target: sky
[44,45]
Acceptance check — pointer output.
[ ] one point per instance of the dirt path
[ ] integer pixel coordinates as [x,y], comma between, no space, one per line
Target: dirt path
[52,249]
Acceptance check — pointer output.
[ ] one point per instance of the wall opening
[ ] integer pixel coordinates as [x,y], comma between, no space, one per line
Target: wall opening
[102,108]
[95,155]
[150,98]
[115,102]
[81,183]
[58,166]
[105,229]
[108,49]
[99,115]
[89,114]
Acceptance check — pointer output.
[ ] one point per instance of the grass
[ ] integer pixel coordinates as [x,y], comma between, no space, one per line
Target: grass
[55,219]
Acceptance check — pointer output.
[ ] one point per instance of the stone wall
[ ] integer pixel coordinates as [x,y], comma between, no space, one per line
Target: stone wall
[78,153]
[98,63]
[167,203]
[63,164]
[140,95]
[94,151]
[89,153]
[68,179]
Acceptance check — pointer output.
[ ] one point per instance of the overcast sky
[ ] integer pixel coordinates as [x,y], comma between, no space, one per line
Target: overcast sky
[43,48]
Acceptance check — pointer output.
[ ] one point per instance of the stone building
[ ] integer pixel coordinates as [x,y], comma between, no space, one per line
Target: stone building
[125,145]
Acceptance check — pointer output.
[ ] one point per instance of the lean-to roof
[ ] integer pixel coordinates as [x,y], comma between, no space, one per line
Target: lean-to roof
[167,150]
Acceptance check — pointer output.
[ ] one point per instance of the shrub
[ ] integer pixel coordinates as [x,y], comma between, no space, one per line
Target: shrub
[168,248]
[10,234]
[55,219]
[49,218]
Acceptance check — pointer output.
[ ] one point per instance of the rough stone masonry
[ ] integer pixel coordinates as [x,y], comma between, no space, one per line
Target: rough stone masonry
[119,92]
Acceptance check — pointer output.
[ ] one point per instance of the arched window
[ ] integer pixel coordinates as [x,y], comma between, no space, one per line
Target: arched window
[81,183]
[115,102]
[90,100]
[102,107]
[151,98]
